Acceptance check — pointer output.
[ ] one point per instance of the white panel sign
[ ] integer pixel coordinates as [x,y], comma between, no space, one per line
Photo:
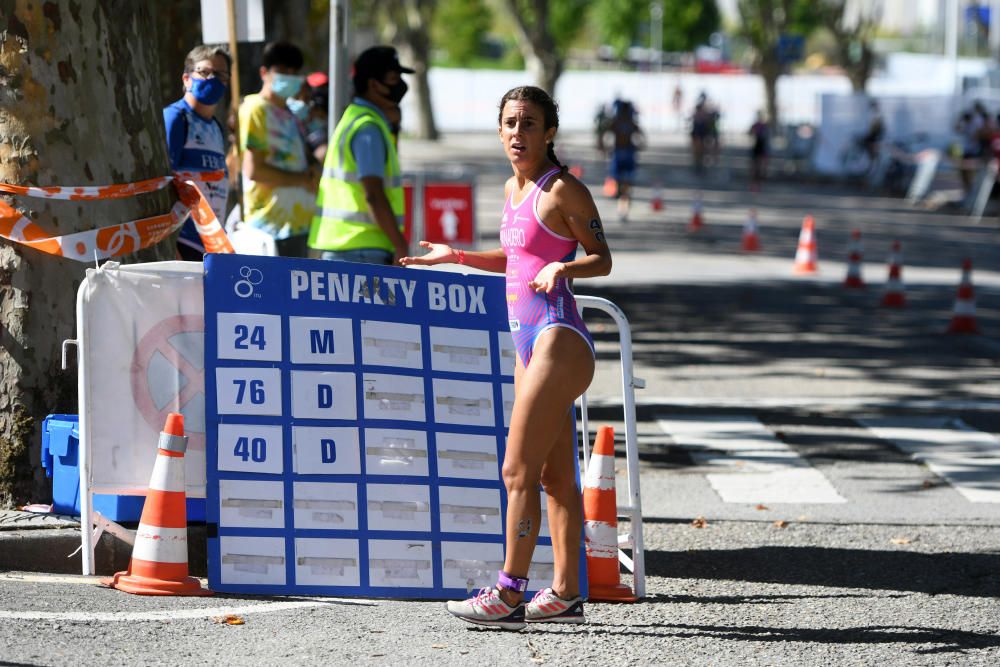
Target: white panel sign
[395,452]
[324,395]
[391,344]
[326,450]
[321,340]
[249,336]
[251,448]
[248,391]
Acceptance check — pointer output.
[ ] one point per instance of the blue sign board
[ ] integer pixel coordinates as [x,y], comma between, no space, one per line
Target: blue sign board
[356,419]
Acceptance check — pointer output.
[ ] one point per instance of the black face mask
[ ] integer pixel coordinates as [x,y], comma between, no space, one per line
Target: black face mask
[396,90]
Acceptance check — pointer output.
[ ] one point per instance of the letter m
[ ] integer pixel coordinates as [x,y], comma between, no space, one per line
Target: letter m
[321,341]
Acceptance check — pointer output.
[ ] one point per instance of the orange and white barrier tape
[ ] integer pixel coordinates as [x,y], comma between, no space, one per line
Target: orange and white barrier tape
[125,237]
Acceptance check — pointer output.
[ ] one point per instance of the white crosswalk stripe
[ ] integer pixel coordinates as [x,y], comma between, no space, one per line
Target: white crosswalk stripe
[748,464]
[759,468]
[968,459]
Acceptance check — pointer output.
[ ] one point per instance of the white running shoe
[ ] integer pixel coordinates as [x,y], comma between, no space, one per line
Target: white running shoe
[488,608]
[547,607]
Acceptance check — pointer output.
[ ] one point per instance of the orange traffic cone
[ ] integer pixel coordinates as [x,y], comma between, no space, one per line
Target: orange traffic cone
[657,201]
[963,319]
[894,296]
[751,240]
[806,254]
[600,513]
[159,564]
[855,251]
[696,222]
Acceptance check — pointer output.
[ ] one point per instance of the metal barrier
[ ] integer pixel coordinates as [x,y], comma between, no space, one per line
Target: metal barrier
[632,510]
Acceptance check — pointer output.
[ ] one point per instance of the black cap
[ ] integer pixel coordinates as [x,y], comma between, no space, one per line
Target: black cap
[377,61]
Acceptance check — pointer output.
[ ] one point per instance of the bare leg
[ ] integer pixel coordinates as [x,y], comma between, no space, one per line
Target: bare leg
[565,511]
[561,369]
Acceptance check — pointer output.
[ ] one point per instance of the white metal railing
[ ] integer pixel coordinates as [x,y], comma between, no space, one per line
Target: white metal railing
[632,509]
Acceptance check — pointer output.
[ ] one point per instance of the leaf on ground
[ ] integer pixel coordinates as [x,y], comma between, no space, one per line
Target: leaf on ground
[699,522]
[927,484]
[780,523]
[802,517]
[762,507]
[901,540]
[439,646]
[230,619]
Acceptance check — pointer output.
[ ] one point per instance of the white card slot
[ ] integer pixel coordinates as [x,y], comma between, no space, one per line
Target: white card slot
[327,562]
[387,348]
[400,563]
[470,565]
[251,504]
[394,397]
[460,350]
[467,456]
[395,452]
[251,563]
[391,343]
[463,402]
[469,510]
[252,560]
[323,505]
[398,507]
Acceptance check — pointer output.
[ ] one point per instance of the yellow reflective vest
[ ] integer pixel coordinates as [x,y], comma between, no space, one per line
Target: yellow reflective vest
[342,220]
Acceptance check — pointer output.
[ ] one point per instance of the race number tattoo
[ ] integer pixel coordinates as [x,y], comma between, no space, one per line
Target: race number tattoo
[595,226]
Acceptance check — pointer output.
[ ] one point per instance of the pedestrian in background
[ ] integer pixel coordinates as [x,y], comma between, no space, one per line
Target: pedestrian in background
[360,208]
[547,215]
[626,139]
[195,138]
[279,183]
[760,136]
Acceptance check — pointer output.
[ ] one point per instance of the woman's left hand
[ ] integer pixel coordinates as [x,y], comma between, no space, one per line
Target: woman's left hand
[545,281]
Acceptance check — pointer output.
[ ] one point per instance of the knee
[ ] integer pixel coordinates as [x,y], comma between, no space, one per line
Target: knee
[518,476]
[559,484]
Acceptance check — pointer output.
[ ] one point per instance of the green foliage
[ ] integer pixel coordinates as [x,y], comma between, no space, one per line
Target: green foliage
[763,21]
[458,29]
[565,18]
[686,23]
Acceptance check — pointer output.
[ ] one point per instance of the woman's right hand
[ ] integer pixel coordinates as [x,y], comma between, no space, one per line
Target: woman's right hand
[438,253]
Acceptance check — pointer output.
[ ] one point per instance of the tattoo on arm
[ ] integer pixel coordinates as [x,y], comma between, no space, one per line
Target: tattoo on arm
[595,226]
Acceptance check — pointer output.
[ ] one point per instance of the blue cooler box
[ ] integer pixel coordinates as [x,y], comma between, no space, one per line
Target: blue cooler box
[60,458]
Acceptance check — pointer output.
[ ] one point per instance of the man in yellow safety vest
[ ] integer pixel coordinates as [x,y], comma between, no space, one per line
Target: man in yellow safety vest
[359,216]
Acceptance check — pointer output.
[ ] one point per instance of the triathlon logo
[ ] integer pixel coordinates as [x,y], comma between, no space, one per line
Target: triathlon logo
[250,278]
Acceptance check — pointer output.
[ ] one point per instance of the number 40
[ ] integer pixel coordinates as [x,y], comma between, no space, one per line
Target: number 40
[255,449]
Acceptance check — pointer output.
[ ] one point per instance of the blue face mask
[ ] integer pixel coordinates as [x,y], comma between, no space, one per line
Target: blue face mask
[299,108]
[207,91]
[286,85]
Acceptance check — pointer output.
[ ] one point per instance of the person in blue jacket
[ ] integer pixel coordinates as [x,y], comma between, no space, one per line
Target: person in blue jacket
[195,138]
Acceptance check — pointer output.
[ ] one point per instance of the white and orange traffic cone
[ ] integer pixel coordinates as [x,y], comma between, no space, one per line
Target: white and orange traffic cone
[807,253]
[696,218]
[963,318]
[855,251]
[657,201]
[751,239]
[159,564]
[894,296]
[600,513]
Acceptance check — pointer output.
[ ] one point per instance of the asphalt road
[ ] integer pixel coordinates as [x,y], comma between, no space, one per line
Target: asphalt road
[843,458]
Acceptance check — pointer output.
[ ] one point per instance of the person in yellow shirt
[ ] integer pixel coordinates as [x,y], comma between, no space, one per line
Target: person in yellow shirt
[279,185]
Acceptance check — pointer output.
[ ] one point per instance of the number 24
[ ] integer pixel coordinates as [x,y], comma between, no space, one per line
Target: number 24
[256,337]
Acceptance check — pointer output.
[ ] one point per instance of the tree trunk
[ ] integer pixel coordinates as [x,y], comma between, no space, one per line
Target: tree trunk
[79,106]
[178,30]
[538,47]
[416,50]
[770,71]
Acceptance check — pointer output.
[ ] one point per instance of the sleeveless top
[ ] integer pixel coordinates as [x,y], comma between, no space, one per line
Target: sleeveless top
[529,245]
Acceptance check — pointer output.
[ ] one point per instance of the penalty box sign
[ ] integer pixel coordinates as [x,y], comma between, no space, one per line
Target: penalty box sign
[356,419]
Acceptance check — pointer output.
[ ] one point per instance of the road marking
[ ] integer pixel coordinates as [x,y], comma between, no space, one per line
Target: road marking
[869,403]
[967,458]
[759,467]
[50,578]
[167,614]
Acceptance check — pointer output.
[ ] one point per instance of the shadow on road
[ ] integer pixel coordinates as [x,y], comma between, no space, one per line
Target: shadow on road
[969,574]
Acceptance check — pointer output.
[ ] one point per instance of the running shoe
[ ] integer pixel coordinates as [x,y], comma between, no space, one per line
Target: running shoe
[488,608]
[547,607]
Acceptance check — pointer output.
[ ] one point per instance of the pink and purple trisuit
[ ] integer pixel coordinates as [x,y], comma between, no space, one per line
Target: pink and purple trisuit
[529,246]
